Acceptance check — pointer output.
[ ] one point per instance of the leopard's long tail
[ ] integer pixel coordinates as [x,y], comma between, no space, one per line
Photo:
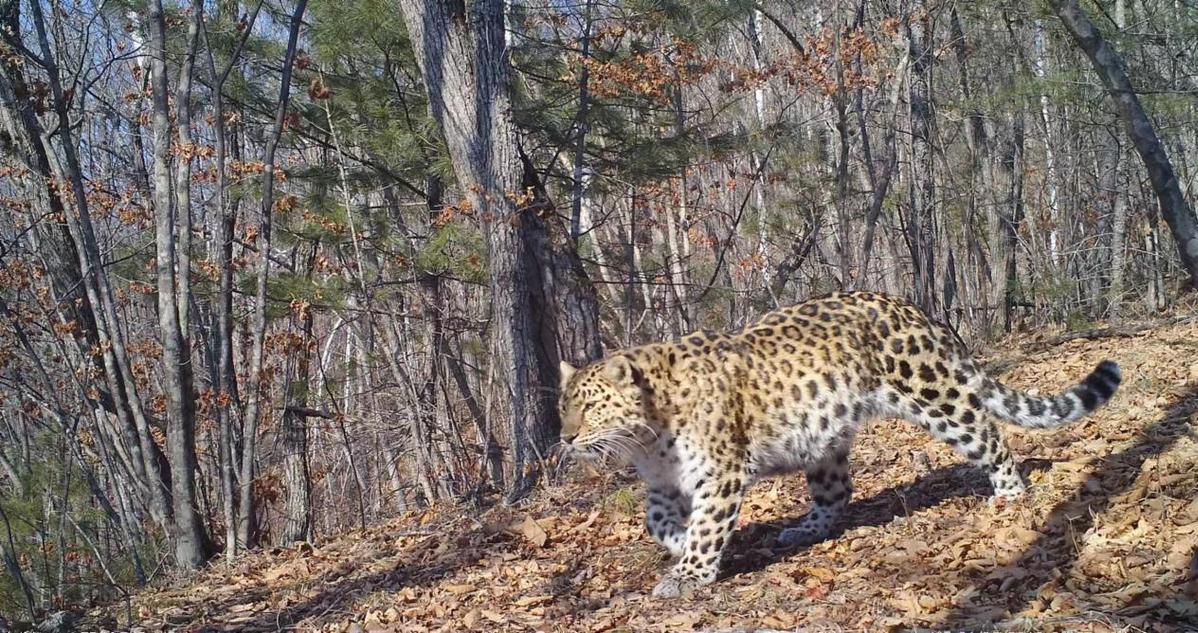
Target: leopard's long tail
[1052,411]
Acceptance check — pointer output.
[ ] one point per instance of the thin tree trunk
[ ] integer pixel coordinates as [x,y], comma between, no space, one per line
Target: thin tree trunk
[1040,67]
[245,514]
[297,519]
[190,538]
[676,229]
[844,235]
[225,379]
[1118,246]
[584,104]
[879,181]
[921,228]
[1010,218]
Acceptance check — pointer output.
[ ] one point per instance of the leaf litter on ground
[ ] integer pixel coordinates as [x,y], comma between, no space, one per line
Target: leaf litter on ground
[1106,539]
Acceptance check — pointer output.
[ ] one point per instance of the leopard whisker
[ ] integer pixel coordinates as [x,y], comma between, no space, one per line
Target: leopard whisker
[650,429]
[599,444]
[623,445]
[613,444]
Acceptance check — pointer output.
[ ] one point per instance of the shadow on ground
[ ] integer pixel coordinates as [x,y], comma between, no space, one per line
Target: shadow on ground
[750,544]
[1077,514]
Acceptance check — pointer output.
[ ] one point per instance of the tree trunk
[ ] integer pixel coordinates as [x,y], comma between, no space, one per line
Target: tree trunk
[584,103]
[921,229]
[1118,246]
[245,514]
[297,514]
[879,180]
[190,538]
[1040,67]
[1010,218]
[1109,66]
[462,55]
[225,379]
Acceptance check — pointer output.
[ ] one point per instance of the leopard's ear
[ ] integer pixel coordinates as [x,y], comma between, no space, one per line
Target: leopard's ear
[567,371]
[619,370]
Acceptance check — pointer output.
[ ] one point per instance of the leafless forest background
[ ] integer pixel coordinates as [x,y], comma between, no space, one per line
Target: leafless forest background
[271,270]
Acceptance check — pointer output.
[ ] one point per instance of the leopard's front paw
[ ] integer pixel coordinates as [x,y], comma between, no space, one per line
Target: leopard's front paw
[675,585]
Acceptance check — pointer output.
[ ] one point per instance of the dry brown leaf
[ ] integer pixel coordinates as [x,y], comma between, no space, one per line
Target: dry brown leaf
[686,619]
[822,573]
[590,520]
[531,530]
[533,600]
[1015,536]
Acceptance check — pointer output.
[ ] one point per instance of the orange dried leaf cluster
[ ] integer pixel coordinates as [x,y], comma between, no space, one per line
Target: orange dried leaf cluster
[652,74]
[287,342]
[326,224]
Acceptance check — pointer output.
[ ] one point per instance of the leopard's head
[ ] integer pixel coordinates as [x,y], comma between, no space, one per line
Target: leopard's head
[602,408]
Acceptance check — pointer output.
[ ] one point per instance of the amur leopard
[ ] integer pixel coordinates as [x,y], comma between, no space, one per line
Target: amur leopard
[705,416]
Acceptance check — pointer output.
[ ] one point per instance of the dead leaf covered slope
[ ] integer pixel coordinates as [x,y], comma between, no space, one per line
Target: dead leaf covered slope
[1105,541]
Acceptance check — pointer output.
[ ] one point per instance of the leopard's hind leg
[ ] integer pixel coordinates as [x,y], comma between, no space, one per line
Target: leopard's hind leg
[831,488]
[949,413]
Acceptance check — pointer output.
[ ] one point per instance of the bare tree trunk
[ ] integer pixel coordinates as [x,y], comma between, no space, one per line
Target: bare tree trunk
[191,540]
[1157,300]
[1109,160]
[225,379]
[584,104]
[297,519]
[844,235]
[1118,246]
[245,514]
[879,180]
[921,229]
[184,153]
[1040,67]
[463,58]
[676,229]
[1109,66]
[1010,218]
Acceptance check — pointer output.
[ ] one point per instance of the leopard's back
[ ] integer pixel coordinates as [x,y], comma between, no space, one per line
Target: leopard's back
[821,368]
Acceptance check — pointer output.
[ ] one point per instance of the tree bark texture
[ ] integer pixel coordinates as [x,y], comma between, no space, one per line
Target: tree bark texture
[461,51]
[245,512]
[187,531]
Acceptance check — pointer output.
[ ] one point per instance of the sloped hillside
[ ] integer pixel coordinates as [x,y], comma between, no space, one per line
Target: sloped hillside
[1105,541]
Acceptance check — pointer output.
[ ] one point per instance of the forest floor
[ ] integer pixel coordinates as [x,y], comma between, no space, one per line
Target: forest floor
[1105,541]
